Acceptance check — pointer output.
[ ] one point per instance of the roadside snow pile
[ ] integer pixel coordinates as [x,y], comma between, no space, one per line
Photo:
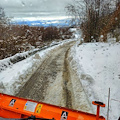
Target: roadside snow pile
[98,67]
[16,75]
[21,56]
[14,59]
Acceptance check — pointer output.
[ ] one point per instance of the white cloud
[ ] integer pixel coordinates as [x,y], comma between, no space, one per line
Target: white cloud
[17,6]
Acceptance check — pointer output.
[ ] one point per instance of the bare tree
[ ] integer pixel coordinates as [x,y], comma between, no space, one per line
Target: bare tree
[88,15]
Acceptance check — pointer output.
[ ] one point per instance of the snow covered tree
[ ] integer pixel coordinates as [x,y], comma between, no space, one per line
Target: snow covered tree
[3,19]
[2,13]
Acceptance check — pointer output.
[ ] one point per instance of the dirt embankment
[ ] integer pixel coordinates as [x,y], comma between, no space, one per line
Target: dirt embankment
[55,82]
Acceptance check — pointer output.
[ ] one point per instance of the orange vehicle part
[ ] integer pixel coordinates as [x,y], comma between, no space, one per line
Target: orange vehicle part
[99,104]
[14,107]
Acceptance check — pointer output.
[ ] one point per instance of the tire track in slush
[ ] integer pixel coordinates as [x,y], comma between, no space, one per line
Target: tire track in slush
[35,88]
[67,86]
[55,82]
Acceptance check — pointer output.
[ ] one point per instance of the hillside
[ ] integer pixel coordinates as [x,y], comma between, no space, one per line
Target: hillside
[98,68]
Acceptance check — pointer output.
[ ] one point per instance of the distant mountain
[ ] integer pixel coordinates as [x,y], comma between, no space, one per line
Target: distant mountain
[45,23]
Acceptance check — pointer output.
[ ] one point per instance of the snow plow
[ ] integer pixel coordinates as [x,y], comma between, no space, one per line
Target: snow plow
[15,108]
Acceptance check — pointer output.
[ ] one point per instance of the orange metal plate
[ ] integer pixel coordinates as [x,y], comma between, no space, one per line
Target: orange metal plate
[38,109]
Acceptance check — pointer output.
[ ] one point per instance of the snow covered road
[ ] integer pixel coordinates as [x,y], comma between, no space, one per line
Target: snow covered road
[48,71]
[53,82]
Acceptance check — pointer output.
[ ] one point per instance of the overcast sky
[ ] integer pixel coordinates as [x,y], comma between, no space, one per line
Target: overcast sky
[19,7]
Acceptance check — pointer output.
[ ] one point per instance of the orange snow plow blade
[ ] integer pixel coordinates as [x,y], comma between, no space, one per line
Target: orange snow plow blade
[14,107]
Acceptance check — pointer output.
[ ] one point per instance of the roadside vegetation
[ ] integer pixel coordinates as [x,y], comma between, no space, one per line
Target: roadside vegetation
[16,39]
[19,38]
[96,18]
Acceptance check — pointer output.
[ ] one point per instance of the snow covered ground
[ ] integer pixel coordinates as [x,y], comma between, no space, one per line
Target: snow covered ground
[15,75]
[98,67]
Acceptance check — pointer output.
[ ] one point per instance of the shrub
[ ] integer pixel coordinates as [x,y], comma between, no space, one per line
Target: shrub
[15,38]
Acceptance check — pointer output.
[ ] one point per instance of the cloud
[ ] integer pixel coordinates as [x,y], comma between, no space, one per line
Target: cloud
[39,4]
[18,6]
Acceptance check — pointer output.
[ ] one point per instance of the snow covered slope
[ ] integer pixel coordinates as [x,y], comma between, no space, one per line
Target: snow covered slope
[57,21]
[98,67]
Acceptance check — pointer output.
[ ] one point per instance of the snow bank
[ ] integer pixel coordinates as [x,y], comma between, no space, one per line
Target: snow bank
[16,75]
[98,67]
[7,62]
